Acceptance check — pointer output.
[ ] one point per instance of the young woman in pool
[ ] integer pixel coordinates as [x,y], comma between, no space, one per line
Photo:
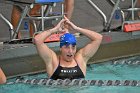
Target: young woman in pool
[70,64]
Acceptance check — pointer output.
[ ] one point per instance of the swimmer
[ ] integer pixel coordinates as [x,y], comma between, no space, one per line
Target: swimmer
[70,63]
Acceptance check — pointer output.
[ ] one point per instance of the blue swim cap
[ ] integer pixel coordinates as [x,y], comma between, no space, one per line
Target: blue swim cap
[67,39]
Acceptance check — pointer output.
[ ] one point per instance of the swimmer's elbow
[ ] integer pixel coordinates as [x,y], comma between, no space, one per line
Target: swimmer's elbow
[37,40]
[99,37]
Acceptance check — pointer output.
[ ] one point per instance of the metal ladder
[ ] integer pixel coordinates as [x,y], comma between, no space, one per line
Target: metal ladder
[44,15]
[107,23]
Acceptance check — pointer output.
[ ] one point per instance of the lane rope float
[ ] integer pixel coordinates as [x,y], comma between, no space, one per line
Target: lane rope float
[77,82]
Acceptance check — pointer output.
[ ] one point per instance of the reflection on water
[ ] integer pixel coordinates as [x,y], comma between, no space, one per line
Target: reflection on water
[121,69]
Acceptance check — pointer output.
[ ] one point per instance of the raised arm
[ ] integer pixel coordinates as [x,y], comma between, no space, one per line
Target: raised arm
[90,49]
[43,50]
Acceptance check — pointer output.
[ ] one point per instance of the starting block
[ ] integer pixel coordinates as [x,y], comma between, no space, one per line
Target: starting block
[54,38]
[130,27]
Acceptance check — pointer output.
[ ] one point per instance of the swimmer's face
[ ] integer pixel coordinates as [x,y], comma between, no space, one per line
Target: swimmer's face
[68,52]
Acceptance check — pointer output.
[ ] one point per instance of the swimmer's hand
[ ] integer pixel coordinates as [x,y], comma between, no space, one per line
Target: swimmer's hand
[59,27]
[68,22]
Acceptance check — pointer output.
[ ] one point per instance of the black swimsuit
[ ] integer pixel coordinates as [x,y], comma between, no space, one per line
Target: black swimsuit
[67,73]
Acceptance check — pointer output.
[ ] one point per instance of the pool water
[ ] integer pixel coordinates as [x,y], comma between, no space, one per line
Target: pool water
[120,69]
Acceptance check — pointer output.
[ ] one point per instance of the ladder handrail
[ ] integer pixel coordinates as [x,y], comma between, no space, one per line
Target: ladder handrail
[100,11]
[9,24]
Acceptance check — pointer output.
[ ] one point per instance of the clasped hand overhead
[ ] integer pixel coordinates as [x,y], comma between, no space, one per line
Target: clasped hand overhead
[60,27]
